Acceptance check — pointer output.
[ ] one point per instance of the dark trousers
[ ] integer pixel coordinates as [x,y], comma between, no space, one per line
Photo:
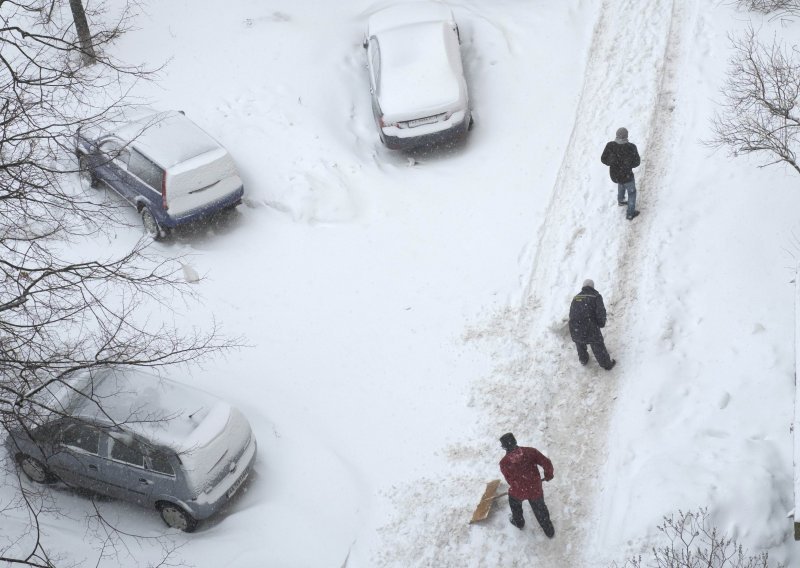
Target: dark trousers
[600,353]
[539,509]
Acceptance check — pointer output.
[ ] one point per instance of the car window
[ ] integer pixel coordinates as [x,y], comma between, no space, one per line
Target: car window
[114,150]
[81,436]
[145,170]
[375,62]
[126,449]
[159,461]
[49,432]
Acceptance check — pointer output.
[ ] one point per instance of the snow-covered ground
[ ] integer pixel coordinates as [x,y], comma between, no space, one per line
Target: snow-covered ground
[403,311]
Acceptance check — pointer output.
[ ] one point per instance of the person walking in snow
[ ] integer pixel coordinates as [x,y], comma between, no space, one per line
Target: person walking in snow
[587,314]
[520,466]
[621,157]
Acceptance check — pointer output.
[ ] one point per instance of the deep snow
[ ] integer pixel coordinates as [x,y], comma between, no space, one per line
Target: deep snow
[404,311]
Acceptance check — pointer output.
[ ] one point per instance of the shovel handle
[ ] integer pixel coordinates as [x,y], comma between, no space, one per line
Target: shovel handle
[494,497]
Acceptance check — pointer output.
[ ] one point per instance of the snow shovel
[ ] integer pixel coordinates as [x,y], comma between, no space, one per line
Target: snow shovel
[485,505]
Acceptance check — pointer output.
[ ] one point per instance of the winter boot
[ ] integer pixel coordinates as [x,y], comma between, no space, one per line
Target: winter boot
[549,530]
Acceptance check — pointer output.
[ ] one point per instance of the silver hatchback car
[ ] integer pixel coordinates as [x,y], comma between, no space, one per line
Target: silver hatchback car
[140,438]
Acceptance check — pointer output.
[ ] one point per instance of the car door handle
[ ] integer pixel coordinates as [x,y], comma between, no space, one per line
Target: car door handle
[144,481]
[92,467]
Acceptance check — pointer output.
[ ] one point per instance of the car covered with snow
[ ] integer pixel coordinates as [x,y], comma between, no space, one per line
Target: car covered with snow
[419,94]
[165,165]
[140,438]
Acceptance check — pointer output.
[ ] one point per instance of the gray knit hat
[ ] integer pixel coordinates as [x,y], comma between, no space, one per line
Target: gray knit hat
[622,133]
[588,283]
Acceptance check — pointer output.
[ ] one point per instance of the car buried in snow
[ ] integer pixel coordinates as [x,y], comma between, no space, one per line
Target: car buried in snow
[140,438]
[419,94]
[165,165]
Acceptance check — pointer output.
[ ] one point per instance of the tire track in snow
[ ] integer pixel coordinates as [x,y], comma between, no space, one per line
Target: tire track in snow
[627,78]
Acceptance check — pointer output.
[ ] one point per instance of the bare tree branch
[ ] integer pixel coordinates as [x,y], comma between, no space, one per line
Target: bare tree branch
[65,308]
[692,541]
[760,108]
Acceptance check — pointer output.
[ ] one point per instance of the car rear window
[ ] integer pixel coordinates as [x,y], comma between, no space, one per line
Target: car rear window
[145,170]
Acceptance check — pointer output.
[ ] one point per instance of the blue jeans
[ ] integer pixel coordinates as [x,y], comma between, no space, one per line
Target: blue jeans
[630,187]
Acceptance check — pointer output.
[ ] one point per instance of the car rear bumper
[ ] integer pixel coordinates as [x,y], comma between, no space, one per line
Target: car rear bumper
[231,200]
[434,134]
[210,502]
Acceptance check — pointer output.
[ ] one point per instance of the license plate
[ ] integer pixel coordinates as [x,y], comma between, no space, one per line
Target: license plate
[420,121]
[237,484]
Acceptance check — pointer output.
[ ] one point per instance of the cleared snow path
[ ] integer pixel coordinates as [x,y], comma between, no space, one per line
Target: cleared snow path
[539,390]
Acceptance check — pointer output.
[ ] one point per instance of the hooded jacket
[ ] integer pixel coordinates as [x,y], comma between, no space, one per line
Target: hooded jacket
[587,314]
[520,467]
[621,159]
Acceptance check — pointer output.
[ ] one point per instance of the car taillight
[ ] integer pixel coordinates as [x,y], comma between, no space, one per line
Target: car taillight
[164,191]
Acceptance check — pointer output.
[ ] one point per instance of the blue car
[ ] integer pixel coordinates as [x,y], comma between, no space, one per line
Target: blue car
[165,165]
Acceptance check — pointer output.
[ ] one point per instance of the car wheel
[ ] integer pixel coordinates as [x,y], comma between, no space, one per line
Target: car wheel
[34,469]
[151,225]
[176,517]
[87,173]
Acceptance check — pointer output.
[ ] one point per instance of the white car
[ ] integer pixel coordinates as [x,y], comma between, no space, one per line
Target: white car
[419,94]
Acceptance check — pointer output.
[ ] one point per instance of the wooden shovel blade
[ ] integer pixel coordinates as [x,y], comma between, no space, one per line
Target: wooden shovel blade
[485,505]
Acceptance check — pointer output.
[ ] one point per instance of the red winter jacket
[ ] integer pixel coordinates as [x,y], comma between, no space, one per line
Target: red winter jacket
[520,467]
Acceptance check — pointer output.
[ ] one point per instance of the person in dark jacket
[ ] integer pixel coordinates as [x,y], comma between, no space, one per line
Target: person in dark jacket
[587,314]
[621,157]
[520,466]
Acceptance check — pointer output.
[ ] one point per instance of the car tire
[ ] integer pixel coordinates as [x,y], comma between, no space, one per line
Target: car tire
[86,172]
[151,225]
[35,470]
[176,517]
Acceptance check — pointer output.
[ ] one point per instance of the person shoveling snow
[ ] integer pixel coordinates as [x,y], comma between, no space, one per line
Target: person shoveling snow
[520,467]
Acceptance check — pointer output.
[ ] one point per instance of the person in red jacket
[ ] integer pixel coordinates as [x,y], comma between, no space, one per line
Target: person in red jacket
[520,467]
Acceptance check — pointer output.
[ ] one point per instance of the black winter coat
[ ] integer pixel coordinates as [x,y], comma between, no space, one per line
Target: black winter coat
[587,314]
[621,159]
